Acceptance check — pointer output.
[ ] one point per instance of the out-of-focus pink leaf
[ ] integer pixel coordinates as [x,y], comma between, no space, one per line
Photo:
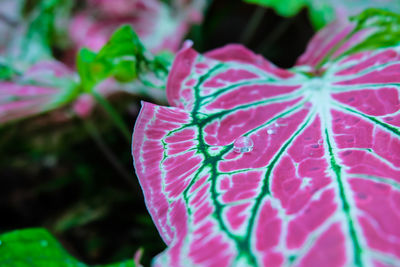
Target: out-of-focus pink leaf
[45,86]
[18,101]
[124,8]
[46,71]
[159,26]
[320,183]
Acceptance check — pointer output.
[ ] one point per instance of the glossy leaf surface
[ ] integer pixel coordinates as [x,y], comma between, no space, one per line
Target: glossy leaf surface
[37,247]
[321,184]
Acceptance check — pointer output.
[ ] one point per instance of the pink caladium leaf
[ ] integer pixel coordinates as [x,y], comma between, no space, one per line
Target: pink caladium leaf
[45,86]
[254,165]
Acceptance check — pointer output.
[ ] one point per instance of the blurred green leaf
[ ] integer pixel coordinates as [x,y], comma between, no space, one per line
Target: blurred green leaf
[123,57]
[285,8]
[37,247]
[323,12]
[6,72]
[383,27]
[379,29]
[119,58]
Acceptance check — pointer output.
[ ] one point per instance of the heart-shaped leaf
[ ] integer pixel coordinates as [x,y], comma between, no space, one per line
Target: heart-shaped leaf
[259,166]
[36,247]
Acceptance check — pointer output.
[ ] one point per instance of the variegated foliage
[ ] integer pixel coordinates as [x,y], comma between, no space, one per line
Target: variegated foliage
[321,186]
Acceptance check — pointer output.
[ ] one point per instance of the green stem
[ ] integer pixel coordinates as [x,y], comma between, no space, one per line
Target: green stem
[252,26]
[116,118]
[109,155]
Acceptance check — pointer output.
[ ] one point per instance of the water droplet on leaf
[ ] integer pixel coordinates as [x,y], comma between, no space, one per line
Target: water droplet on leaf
[44,243]
[243,144]
[270,131]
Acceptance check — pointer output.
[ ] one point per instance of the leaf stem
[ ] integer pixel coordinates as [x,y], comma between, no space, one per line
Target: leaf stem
[116,118]
[109,155]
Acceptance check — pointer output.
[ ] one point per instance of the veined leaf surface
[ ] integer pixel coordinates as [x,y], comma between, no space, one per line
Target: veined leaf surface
[321,186]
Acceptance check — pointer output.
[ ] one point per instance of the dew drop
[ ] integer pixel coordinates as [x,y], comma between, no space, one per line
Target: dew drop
[243,144]
[44,243]
[271,131]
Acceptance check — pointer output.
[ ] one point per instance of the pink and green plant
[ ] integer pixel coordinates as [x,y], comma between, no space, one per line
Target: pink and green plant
[123,64]
[253,165]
